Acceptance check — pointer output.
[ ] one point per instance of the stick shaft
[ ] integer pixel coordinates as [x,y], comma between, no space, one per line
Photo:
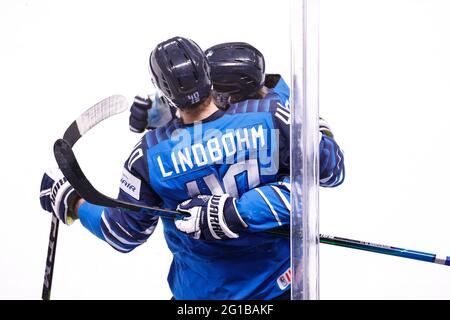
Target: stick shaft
[88,119]
[49,265]
[373,247]
[384,249]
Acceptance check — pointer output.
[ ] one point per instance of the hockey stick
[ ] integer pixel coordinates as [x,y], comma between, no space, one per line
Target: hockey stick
[389,250]
[71,169]
[374,247]
[88,119]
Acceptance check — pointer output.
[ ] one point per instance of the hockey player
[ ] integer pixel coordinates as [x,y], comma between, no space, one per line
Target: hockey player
[229,153]
[237,73]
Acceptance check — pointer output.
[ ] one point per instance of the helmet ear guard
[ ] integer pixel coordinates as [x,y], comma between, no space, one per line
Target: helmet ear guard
[180,70]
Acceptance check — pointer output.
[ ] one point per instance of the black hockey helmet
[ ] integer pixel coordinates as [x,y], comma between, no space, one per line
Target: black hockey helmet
[236,68]
[180,70]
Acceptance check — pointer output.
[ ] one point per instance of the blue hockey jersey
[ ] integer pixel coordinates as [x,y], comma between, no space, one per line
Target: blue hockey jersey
[240,160]
[231,152]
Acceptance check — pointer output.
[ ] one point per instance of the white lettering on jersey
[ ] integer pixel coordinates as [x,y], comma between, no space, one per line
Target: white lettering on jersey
[185,159]
[130,184]
[258,134]
[199,151]
[215,150]
[174,161]
[161,168]
[221,149]
[244,139]
[230,146]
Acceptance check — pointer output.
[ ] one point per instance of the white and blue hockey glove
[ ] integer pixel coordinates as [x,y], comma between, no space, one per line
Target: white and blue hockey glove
[150,113]
[210,218]
[58,196]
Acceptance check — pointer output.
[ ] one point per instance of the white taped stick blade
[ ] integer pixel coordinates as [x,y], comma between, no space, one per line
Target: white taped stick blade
[104,109]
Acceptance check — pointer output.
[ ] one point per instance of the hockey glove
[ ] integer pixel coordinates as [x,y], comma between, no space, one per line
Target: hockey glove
[150,113]
[58,196]
[210,218]
[139,114]
[331,163]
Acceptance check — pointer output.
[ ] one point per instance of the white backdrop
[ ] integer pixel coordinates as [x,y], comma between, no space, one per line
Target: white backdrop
[384,79]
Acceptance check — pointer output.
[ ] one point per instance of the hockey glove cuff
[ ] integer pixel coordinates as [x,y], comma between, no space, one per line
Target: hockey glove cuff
[58,196]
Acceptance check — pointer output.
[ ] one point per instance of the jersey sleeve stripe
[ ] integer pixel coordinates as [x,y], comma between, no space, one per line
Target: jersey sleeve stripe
[286,185]
[115,246]
[110,239]
[283,198]
[283,111]
[124,231]
[338,174]
[116,236]
[149,230]
[285,121]
[281,107]
[239,216]
[275,214]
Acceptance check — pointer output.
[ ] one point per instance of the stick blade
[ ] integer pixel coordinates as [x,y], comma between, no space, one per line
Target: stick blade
[71,170]
[100,111]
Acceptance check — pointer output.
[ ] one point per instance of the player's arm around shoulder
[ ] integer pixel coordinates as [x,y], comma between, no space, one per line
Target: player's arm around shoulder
[267,206]
[222,217]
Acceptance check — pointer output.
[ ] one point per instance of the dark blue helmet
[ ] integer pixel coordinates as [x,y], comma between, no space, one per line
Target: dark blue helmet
[236,68]
[180,70]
